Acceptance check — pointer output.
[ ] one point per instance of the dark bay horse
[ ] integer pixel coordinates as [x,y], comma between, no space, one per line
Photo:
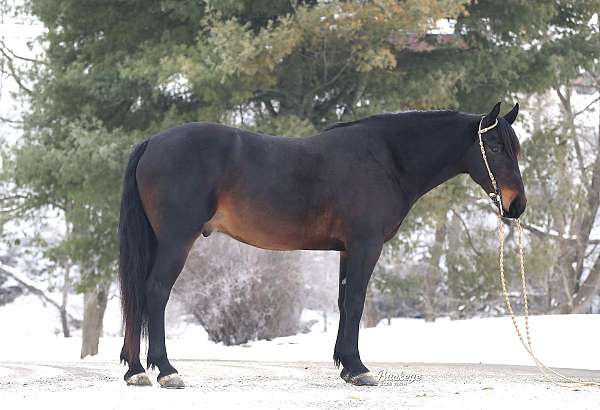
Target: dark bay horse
[346,189]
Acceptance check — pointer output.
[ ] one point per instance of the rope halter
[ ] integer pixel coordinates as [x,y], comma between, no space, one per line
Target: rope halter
[496,197]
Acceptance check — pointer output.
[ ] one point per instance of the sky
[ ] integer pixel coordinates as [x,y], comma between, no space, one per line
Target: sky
[17,33]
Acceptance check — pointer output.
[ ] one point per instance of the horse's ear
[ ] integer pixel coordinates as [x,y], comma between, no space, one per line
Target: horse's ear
[512,115]
[490,118]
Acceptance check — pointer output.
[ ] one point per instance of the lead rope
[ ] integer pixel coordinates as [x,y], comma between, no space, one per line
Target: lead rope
[549,374]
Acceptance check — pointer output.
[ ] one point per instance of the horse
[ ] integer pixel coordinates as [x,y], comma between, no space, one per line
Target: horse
[346,189]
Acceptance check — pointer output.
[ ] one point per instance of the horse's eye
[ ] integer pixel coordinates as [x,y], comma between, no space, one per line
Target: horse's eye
[495,149]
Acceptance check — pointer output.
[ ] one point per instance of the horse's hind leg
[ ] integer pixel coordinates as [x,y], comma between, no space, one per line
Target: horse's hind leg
[135,375]
[171,255]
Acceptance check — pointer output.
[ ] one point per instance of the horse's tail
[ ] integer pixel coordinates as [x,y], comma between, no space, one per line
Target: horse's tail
[137,247]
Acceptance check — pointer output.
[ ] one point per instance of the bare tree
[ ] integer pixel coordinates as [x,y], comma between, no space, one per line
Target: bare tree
[570,197]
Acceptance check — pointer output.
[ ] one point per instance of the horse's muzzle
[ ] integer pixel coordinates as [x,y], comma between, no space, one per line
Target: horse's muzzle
[517,207]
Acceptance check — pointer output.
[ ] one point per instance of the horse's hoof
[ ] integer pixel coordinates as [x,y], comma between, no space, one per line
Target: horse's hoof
[345,375]
[140,379]
[171,381]
[363,379]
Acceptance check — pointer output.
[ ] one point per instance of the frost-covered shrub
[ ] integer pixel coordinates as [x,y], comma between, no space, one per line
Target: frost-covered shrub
[240,293]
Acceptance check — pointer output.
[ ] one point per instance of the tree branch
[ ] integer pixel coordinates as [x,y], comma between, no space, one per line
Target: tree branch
[537,231]
[13,71]
[566,103]
[34,289]
[18,57]
[587,107]
[10,121]
[469,239]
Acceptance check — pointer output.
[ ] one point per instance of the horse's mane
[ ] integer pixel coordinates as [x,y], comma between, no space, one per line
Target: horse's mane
[505,131]
[386,116]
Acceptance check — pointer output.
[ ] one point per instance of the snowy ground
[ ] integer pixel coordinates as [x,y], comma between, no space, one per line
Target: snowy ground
[41,369]
[288,385]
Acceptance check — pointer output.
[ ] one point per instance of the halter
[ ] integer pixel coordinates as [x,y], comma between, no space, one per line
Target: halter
[496,197]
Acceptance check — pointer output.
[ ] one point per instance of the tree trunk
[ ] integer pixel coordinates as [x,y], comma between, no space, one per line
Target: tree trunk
[64,322]
[370,317]
[94,305]
[65,299]
[432,277]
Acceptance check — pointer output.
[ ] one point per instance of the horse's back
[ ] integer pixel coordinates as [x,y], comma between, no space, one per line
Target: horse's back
[201,140]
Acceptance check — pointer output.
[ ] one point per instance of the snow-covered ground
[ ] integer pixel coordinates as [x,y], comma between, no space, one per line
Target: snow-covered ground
[41,368]
[570,341]
[287,385]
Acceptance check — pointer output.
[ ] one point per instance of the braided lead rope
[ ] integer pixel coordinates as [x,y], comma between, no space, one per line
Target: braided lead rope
[563,381]
[549,374]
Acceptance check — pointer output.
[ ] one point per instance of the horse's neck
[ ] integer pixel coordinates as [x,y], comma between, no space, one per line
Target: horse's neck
[438,179]
[439,152]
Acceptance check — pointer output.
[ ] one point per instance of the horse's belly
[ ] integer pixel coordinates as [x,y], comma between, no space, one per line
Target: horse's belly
[267,228]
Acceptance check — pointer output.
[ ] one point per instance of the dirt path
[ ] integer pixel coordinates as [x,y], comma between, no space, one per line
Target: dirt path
[233,384]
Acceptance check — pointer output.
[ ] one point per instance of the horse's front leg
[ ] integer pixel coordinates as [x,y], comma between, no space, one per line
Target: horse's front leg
[341,294]
[361,260]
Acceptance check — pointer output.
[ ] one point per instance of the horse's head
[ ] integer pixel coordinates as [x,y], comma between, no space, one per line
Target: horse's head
[502,151]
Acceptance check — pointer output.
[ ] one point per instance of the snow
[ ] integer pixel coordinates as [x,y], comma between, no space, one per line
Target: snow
[568,341]
[28,317]
[41,369]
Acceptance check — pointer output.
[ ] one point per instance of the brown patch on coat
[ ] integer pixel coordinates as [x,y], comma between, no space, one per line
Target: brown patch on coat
[150,202]
[508,195]
[261,226]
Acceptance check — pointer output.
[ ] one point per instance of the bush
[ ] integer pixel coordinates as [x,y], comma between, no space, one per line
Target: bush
[240,293]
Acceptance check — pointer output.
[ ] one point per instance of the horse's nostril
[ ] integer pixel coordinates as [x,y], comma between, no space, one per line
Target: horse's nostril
[517,207]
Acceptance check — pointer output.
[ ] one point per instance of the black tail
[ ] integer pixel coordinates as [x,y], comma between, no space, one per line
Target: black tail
[137,246]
